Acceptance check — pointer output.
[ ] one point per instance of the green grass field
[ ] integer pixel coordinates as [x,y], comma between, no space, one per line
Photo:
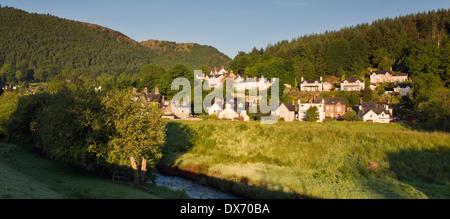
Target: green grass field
[26,175]
[313,160]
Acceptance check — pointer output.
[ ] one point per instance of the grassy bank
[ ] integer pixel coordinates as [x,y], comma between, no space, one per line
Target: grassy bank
[25,175]
[318,160]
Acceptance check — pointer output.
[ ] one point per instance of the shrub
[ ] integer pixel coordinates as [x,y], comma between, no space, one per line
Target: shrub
[351,116]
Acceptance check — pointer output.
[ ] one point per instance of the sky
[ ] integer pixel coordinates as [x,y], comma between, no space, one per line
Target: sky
[228,25]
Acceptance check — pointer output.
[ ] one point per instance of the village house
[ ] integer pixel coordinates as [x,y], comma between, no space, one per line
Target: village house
[303,107]
[375,112]
[403,89]
[182,110]
[229,108]
[334,106]
[387,76]
[285,111]
[217,78]
[152,98]
[314,85]
[352,84]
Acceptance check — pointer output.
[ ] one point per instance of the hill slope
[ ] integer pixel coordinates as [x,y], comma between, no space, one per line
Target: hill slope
[49,45]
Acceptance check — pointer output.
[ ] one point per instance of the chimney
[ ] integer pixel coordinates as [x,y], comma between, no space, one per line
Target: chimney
[145,90]
[156,90]
[321,79]
[298,101]
[302,79]
[134,90]
[223,67]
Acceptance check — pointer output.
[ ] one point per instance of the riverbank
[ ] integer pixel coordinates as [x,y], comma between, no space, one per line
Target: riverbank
[27,175]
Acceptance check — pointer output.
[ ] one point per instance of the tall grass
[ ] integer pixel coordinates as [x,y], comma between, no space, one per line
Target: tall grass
[324,160]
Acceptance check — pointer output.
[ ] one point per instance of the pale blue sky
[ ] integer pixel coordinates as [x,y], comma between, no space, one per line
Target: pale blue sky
[230,26]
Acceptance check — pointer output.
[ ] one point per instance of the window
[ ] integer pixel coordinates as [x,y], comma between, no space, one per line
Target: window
[338,109]
[328,108]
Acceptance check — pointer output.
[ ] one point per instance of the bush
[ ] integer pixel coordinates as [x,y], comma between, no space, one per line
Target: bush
[213,117]
[351,116]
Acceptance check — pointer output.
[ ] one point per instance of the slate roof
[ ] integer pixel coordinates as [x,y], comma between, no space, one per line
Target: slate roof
[289,106]
[376,107]
[403,85]
[330,100]
[353,80]
[381,72]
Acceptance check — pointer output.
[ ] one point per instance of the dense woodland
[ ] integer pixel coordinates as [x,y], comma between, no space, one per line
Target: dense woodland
[36,47]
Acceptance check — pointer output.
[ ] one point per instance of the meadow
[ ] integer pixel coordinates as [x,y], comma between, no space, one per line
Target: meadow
[311,160]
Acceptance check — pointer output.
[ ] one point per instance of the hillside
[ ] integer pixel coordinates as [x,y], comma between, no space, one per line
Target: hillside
[194,52]
[45,45]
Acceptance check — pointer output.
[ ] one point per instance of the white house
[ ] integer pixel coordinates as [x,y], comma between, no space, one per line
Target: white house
[314,85]
[403,89]
[375,112]
[285,111]
[387,76]
[216,108]
[303,107]
[352,84]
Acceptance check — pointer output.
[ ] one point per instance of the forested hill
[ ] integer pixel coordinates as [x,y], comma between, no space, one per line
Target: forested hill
[386,43]
[209,55]
[45,45]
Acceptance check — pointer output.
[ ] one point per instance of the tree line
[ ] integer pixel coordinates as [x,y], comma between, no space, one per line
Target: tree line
[106,131]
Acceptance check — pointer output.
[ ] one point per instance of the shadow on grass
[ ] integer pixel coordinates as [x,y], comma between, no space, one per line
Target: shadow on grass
[426,170]
[427,127]
[179,139]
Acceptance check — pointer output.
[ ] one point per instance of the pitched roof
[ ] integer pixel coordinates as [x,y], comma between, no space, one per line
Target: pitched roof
[334,100]
[403,85]
[381,72]
[400,74]
[376,107]
[149,97]
[353,80]
[289,106]
[330,100]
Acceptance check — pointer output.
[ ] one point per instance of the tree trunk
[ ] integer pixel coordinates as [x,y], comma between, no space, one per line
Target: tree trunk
[135,169]
[144,171]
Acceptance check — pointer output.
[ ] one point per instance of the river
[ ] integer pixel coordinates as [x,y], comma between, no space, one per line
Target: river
[193,189]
